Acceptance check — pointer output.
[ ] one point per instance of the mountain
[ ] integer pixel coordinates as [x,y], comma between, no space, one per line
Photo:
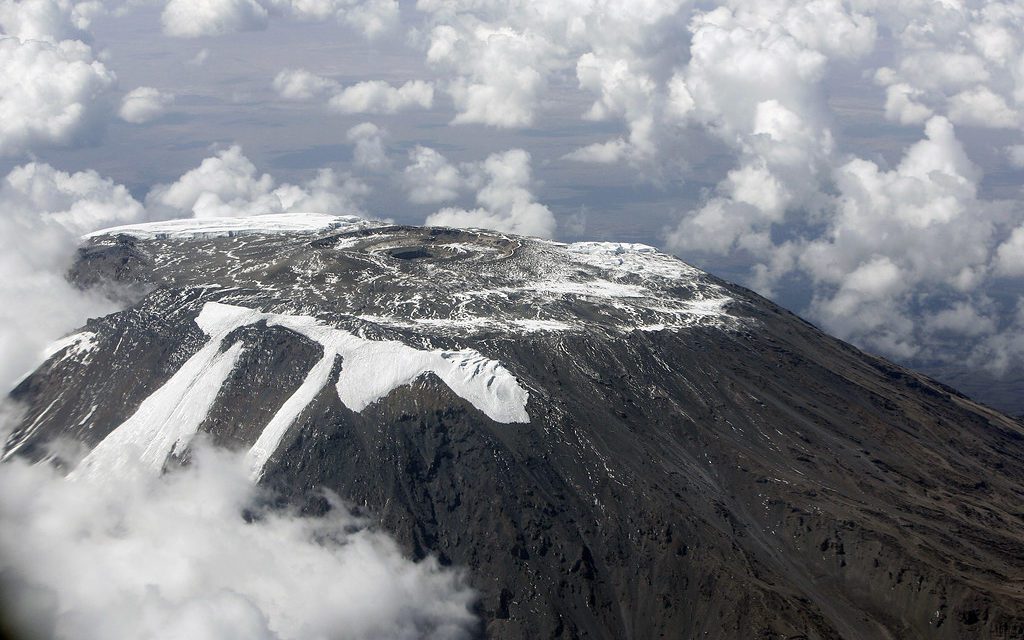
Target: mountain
[613,443]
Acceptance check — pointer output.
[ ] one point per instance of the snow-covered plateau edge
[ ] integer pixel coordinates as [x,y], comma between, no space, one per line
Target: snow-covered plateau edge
[273,223]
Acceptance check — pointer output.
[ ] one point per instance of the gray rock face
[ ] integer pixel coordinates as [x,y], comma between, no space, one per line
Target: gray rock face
[615,444]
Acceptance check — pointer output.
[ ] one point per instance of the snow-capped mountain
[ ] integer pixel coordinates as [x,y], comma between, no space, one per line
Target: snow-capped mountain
[613,443]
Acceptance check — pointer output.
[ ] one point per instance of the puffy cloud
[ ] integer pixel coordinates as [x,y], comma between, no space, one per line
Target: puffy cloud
[371,96]
[624,92]
[373,17]
[48,20]
[369,151]
[506,203]
[501,56]
[43,212]
[753,79]
[901,105]
[195,18]
[54,88]
[955,60]
[1010,255]
[430,178]
[299,84]
[144,104]
[982,107]
[228,184]
[608,152]
[898,236]
[376,96]
[497,81]
[196,553]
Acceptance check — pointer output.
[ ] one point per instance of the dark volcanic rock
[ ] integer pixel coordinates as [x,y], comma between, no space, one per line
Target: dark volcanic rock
[697,462]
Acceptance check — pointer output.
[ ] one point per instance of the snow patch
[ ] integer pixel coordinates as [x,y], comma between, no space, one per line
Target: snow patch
[75,345]
[167,420]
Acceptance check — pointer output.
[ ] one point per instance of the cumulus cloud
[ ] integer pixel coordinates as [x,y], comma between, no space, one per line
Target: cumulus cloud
[506,203]
[369,151]
[43,212]
[196,18]
[982,107]
[371,17]
[901,243]
[229,184]
[55,90]
[430,178]
[144,104]
[1010,255]
[196,553]
[48,20]
[300,85]
[376,96]
[955,61]
[500,57]
[371,96]
[608,152]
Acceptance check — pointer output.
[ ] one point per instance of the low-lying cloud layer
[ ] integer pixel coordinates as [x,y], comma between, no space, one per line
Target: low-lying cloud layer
[196,554]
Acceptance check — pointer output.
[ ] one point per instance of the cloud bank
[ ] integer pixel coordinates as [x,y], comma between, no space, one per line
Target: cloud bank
[197,554]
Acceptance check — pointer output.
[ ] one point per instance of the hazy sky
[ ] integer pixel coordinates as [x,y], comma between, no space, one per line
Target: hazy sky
[859,161]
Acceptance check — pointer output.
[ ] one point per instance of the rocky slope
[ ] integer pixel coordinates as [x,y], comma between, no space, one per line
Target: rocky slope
[615,444]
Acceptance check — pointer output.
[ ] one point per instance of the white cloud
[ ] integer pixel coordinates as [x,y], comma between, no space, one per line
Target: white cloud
[922,220]
[144,104]
[371,96]
[228,184]
[54,93]
[47,20]
[506,203]
[369,151]
[753,79]
[195,18]
[1010,255]
[376,96]
[901,104]
[497,81]
[608,152]
[954,61]
[300,84]
[981,107]
[195,553]
[373,17]
[43,212]
[430,178]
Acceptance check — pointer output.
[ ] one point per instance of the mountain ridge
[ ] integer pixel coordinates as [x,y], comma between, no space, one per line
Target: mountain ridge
[697,462]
